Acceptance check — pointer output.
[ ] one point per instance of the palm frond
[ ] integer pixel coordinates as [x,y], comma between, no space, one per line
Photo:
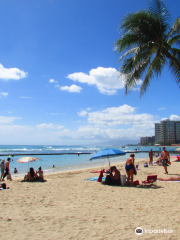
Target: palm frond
[175,53]
[175,28]
[174,40]
[147,43]
[155,67]
[131,51]
[175,71]
[159,10]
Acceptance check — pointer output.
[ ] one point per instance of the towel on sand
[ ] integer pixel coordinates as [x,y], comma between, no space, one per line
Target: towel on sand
[94,179]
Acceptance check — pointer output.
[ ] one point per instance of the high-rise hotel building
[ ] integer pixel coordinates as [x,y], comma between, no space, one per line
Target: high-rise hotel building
[167,132]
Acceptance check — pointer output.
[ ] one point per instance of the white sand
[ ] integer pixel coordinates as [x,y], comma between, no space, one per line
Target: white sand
[67,207]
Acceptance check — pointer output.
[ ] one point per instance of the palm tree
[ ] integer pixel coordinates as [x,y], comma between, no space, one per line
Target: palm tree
[149,43]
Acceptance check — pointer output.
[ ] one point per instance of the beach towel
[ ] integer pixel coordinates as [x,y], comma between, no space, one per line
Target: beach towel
[93,171]
[95,179]
[168,181]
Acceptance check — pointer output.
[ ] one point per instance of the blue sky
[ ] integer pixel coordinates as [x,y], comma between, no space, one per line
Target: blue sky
[59,79]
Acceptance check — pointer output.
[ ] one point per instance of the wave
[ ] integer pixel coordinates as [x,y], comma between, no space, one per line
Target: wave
[19,150]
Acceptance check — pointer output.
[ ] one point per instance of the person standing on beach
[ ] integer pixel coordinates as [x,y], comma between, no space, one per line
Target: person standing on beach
[165,157]
[129,167]
[150,157]
[7,172]
[2,169]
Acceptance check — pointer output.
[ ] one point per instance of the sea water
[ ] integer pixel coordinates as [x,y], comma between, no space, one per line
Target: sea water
[66,161]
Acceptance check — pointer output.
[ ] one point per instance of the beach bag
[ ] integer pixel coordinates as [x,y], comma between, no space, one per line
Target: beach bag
[136,182]
[108,180]
[100,176]
[8,177]
[3,185]
[145,165]
[134,171]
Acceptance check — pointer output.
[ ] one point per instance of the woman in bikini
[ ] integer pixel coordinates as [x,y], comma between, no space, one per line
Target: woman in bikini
[31,176]
[40,173]
[129,166]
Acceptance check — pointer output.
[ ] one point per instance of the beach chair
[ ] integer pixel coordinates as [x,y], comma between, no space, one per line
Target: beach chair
[151,180]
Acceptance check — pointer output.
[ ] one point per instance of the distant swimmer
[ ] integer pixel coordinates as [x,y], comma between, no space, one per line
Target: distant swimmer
[53,166]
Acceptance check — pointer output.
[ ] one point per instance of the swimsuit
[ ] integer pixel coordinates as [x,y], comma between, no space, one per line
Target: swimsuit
[165,162]
[129,167]
[6,173]
[41,175]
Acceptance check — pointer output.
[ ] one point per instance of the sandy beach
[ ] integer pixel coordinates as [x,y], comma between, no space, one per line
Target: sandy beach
[69,207]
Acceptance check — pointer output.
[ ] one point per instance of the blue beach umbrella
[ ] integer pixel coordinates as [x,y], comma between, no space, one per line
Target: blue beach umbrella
[108,153]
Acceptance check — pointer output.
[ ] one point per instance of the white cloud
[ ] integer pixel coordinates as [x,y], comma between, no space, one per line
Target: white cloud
[72,88]
[118,115]
[11,73]
[174,118]
[52,81]
[111,124]
[4,94]
[8,120]
[82,113]
[164,119]
[25,97]
[49,126]
[107,80]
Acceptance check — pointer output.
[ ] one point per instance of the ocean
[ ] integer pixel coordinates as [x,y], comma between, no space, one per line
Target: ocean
[65,162]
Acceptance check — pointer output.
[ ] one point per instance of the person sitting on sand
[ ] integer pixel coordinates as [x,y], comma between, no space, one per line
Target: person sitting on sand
[31,176]
[169,179]
[40,172]
[129,166]
[113,179]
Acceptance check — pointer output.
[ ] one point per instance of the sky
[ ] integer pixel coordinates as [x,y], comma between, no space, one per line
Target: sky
[59,79]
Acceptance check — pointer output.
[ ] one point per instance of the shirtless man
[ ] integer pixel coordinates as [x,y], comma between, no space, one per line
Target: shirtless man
[165,156]
[150,157]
